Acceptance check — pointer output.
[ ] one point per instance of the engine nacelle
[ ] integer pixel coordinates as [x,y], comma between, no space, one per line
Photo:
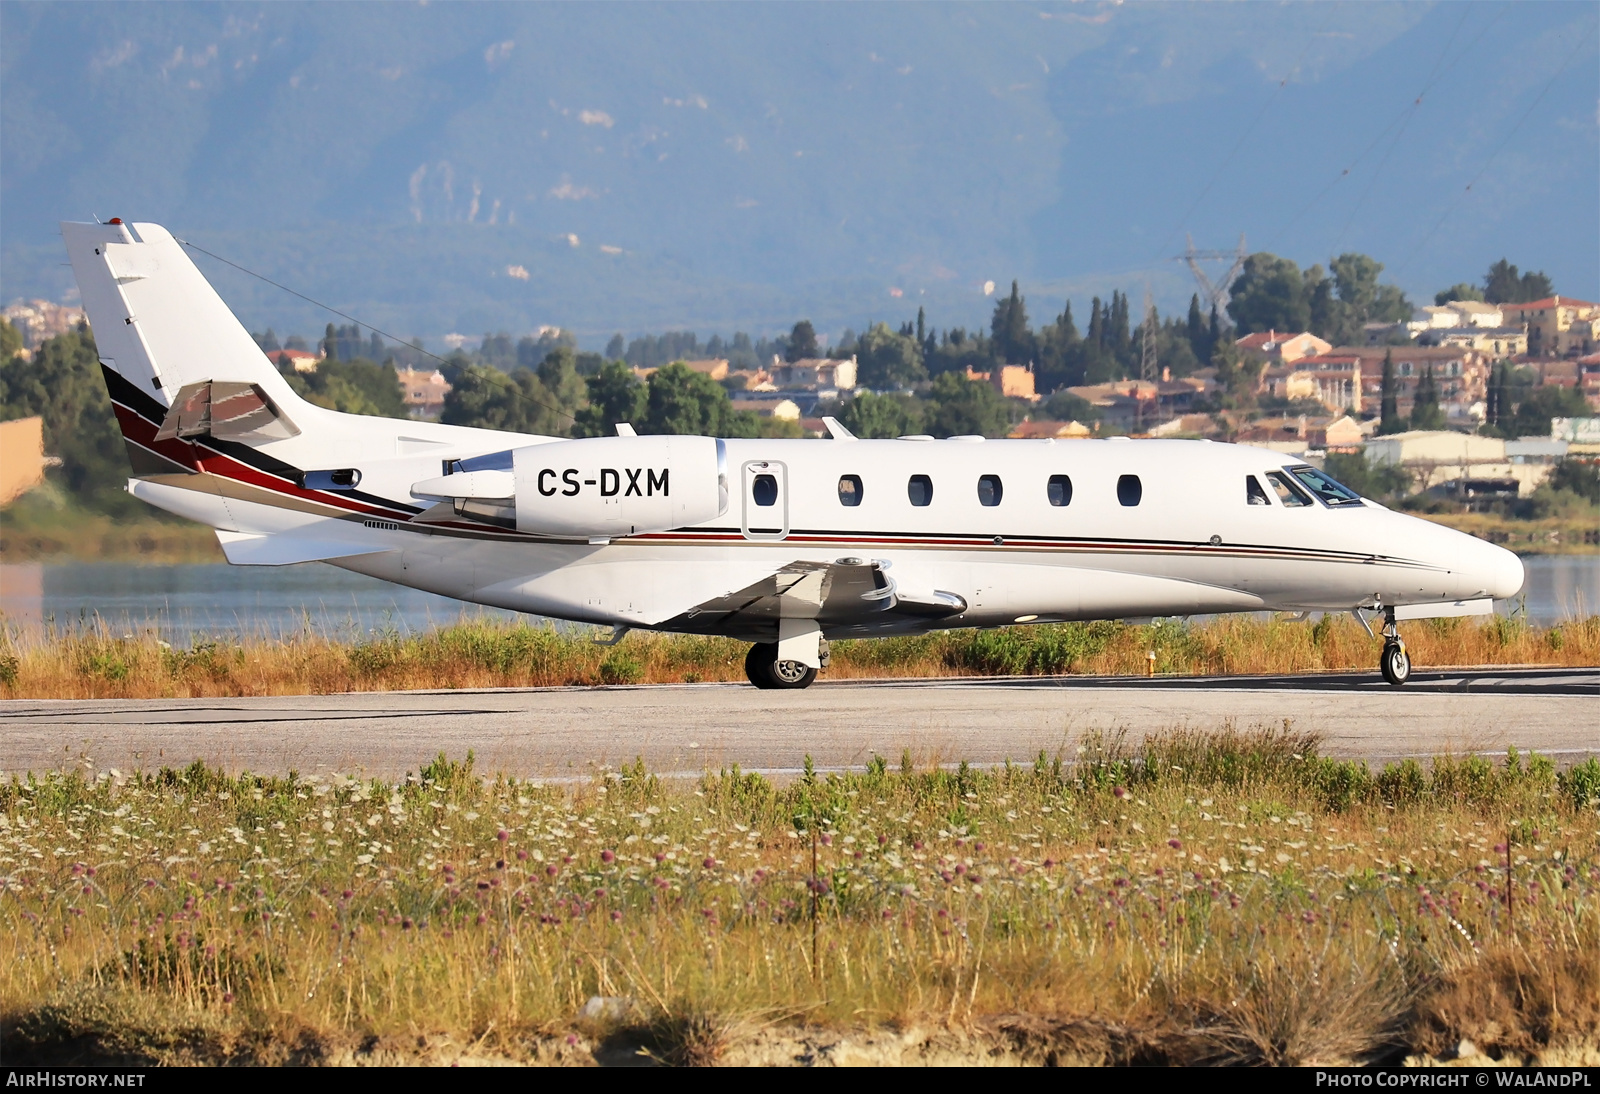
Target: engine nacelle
[619,486]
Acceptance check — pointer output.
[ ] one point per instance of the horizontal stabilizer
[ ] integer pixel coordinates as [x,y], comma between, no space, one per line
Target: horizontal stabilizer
[285,549]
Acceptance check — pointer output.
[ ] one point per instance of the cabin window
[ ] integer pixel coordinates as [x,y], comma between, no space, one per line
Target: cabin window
[764,490]
[1129,490]
[850,490]
[1331,492]
[1254,493]
[920,490]
[1059,490]
[1289,492]
[990,490]
[346,478]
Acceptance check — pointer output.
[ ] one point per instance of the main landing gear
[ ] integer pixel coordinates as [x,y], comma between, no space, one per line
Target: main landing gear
[1395,661]
[767,672]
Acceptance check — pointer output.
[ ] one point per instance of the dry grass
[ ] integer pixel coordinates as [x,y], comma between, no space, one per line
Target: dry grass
[1204,897]
[94,662]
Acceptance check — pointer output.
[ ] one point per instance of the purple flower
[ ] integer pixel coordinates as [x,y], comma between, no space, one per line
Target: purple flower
[608,857]
[1175,844]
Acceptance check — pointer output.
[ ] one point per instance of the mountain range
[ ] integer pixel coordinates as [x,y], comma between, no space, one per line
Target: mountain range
[464,167]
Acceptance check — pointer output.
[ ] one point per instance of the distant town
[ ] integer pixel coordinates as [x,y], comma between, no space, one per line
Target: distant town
[1490,396]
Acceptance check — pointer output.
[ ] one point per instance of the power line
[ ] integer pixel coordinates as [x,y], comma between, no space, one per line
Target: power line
[1402,119]
[488,375]
[1526,114]
[1249,130]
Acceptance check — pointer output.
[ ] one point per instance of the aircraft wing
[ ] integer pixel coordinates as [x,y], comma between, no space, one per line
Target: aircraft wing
[843,594]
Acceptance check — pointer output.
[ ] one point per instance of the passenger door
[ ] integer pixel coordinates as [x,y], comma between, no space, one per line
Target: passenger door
[765,497]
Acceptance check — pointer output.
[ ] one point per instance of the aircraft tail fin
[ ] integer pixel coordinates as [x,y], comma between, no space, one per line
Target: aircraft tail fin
[162,329]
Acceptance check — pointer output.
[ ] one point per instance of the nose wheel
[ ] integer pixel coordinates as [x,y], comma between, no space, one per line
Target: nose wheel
[1395,663]
[767,672]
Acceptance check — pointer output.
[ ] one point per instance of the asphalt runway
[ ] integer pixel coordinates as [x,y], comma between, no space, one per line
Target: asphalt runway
[688,728]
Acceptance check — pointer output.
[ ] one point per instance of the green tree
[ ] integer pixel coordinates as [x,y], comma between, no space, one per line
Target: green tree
[10,340]
[1195,330]
[356,386]
[1459,291]
[1542,403]
[1237,374]
[63,385]
[802,342]
[1064,406]
[1425,412]
[1389,420]
[877,416]
[1504,284]
[330,344]
[1269,294]
[615,396]
[958,407]
[889,360]
[1013,341]
[1582,479]
[561,377]
[490,399]
[616,347]
[680,400]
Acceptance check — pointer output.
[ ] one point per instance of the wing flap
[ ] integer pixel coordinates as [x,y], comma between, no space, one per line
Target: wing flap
[286,549]
[832,594]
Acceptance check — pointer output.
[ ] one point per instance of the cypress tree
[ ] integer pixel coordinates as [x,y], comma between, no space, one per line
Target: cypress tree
[1425,413]
[330,343]
[1069,329]
[1195,326]
[1097,325]
[1216,326]
[1389,420]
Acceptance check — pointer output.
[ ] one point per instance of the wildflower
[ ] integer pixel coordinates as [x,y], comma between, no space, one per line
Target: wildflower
[608,856]
[552,870]
[502,835]
[1120,792]
[522,856]
[827,840]
[616,917]
[1175,844]
[709,863]
[978,847]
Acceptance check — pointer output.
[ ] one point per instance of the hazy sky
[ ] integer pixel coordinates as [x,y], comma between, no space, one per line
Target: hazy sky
[736,166]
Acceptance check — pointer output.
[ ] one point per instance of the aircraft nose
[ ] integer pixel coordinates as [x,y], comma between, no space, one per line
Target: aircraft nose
[1497,571]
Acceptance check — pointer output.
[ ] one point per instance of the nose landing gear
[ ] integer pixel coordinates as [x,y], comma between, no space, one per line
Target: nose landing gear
[1395,662]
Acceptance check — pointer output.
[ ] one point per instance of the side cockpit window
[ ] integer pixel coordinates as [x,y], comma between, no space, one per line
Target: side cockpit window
[1290,493]
[1331,492]
[1254,494]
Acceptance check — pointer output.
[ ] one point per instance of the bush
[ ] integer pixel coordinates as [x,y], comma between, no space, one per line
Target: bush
[621,668]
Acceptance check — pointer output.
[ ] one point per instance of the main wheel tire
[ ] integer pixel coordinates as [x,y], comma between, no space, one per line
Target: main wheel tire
[766,672]
[1395,663]
[758,664]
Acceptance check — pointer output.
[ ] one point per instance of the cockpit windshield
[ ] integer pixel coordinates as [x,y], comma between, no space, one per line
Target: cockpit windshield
[1329,491]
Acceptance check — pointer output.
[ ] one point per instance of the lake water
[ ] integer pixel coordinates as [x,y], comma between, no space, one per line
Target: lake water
[184,602]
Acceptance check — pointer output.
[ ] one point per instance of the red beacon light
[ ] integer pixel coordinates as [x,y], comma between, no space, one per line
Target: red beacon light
[116,220]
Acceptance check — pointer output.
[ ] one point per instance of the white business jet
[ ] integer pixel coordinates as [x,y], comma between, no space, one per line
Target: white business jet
[782,543]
